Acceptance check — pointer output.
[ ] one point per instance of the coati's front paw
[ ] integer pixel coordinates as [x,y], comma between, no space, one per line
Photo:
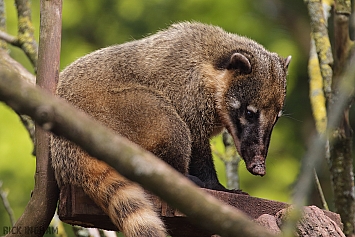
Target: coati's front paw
[237,191]
[220,187]
[196,180]
[213,186]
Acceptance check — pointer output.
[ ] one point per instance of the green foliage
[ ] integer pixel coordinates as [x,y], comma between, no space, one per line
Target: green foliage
[90,25]
[17,165]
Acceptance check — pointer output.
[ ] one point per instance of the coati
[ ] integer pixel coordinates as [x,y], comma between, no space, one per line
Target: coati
[170,92]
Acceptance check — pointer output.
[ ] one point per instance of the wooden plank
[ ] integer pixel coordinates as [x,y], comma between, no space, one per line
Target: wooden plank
[75,207]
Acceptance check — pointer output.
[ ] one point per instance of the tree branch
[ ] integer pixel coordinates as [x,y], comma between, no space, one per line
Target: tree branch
[231,161]
[316,93]
[127,158]
[341,160]
[43,202]
[230,158]
[9,39]
[9,62]
[3,197]
[342,43]
[320,191]
[26,37]
[2,23]
[319,33]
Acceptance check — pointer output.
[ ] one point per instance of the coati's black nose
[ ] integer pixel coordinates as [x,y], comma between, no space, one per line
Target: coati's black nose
[257,166]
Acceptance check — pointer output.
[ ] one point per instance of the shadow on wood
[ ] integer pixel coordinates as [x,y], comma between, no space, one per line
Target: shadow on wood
[77,208]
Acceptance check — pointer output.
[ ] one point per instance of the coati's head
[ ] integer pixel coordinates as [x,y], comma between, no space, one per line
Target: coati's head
[249,97]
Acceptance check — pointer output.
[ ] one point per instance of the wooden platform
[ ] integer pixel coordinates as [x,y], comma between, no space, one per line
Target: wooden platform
[77,208]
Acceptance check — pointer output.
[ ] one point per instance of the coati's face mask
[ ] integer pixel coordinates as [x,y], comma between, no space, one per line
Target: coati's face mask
[251,129]
[253,103]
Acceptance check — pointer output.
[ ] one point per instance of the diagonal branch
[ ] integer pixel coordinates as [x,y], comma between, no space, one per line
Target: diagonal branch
[9,39]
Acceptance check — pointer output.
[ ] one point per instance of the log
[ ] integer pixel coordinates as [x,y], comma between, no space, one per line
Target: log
[76,208]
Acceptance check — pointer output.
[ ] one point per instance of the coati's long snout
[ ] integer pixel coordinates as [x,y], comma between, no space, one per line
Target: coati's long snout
[252,142]
[254,152]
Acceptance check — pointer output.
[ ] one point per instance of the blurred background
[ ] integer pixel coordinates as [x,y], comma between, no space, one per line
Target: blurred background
[281,26]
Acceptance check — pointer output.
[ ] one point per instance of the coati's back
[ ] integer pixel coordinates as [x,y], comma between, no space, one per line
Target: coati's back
[180,62]
[169,93]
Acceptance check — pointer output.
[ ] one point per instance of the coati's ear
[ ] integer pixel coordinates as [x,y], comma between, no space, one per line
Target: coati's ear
[287,61]
[239,61]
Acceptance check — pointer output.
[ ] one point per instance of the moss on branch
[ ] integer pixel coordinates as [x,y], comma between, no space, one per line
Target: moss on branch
[316,93]
[319,33]
[25,36]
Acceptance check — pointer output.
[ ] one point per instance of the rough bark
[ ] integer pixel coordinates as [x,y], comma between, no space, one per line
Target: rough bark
[341,161]
[342,178]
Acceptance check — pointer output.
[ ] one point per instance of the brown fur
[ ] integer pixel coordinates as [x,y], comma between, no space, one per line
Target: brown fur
[169,93]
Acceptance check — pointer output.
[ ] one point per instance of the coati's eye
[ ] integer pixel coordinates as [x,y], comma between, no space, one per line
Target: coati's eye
[251,113]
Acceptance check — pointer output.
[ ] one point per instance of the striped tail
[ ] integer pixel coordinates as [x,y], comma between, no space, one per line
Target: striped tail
[125,202]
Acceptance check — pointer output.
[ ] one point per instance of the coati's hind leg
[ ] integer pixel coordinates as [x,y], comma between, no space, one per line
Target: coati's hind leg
[149,120]
[122,200]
